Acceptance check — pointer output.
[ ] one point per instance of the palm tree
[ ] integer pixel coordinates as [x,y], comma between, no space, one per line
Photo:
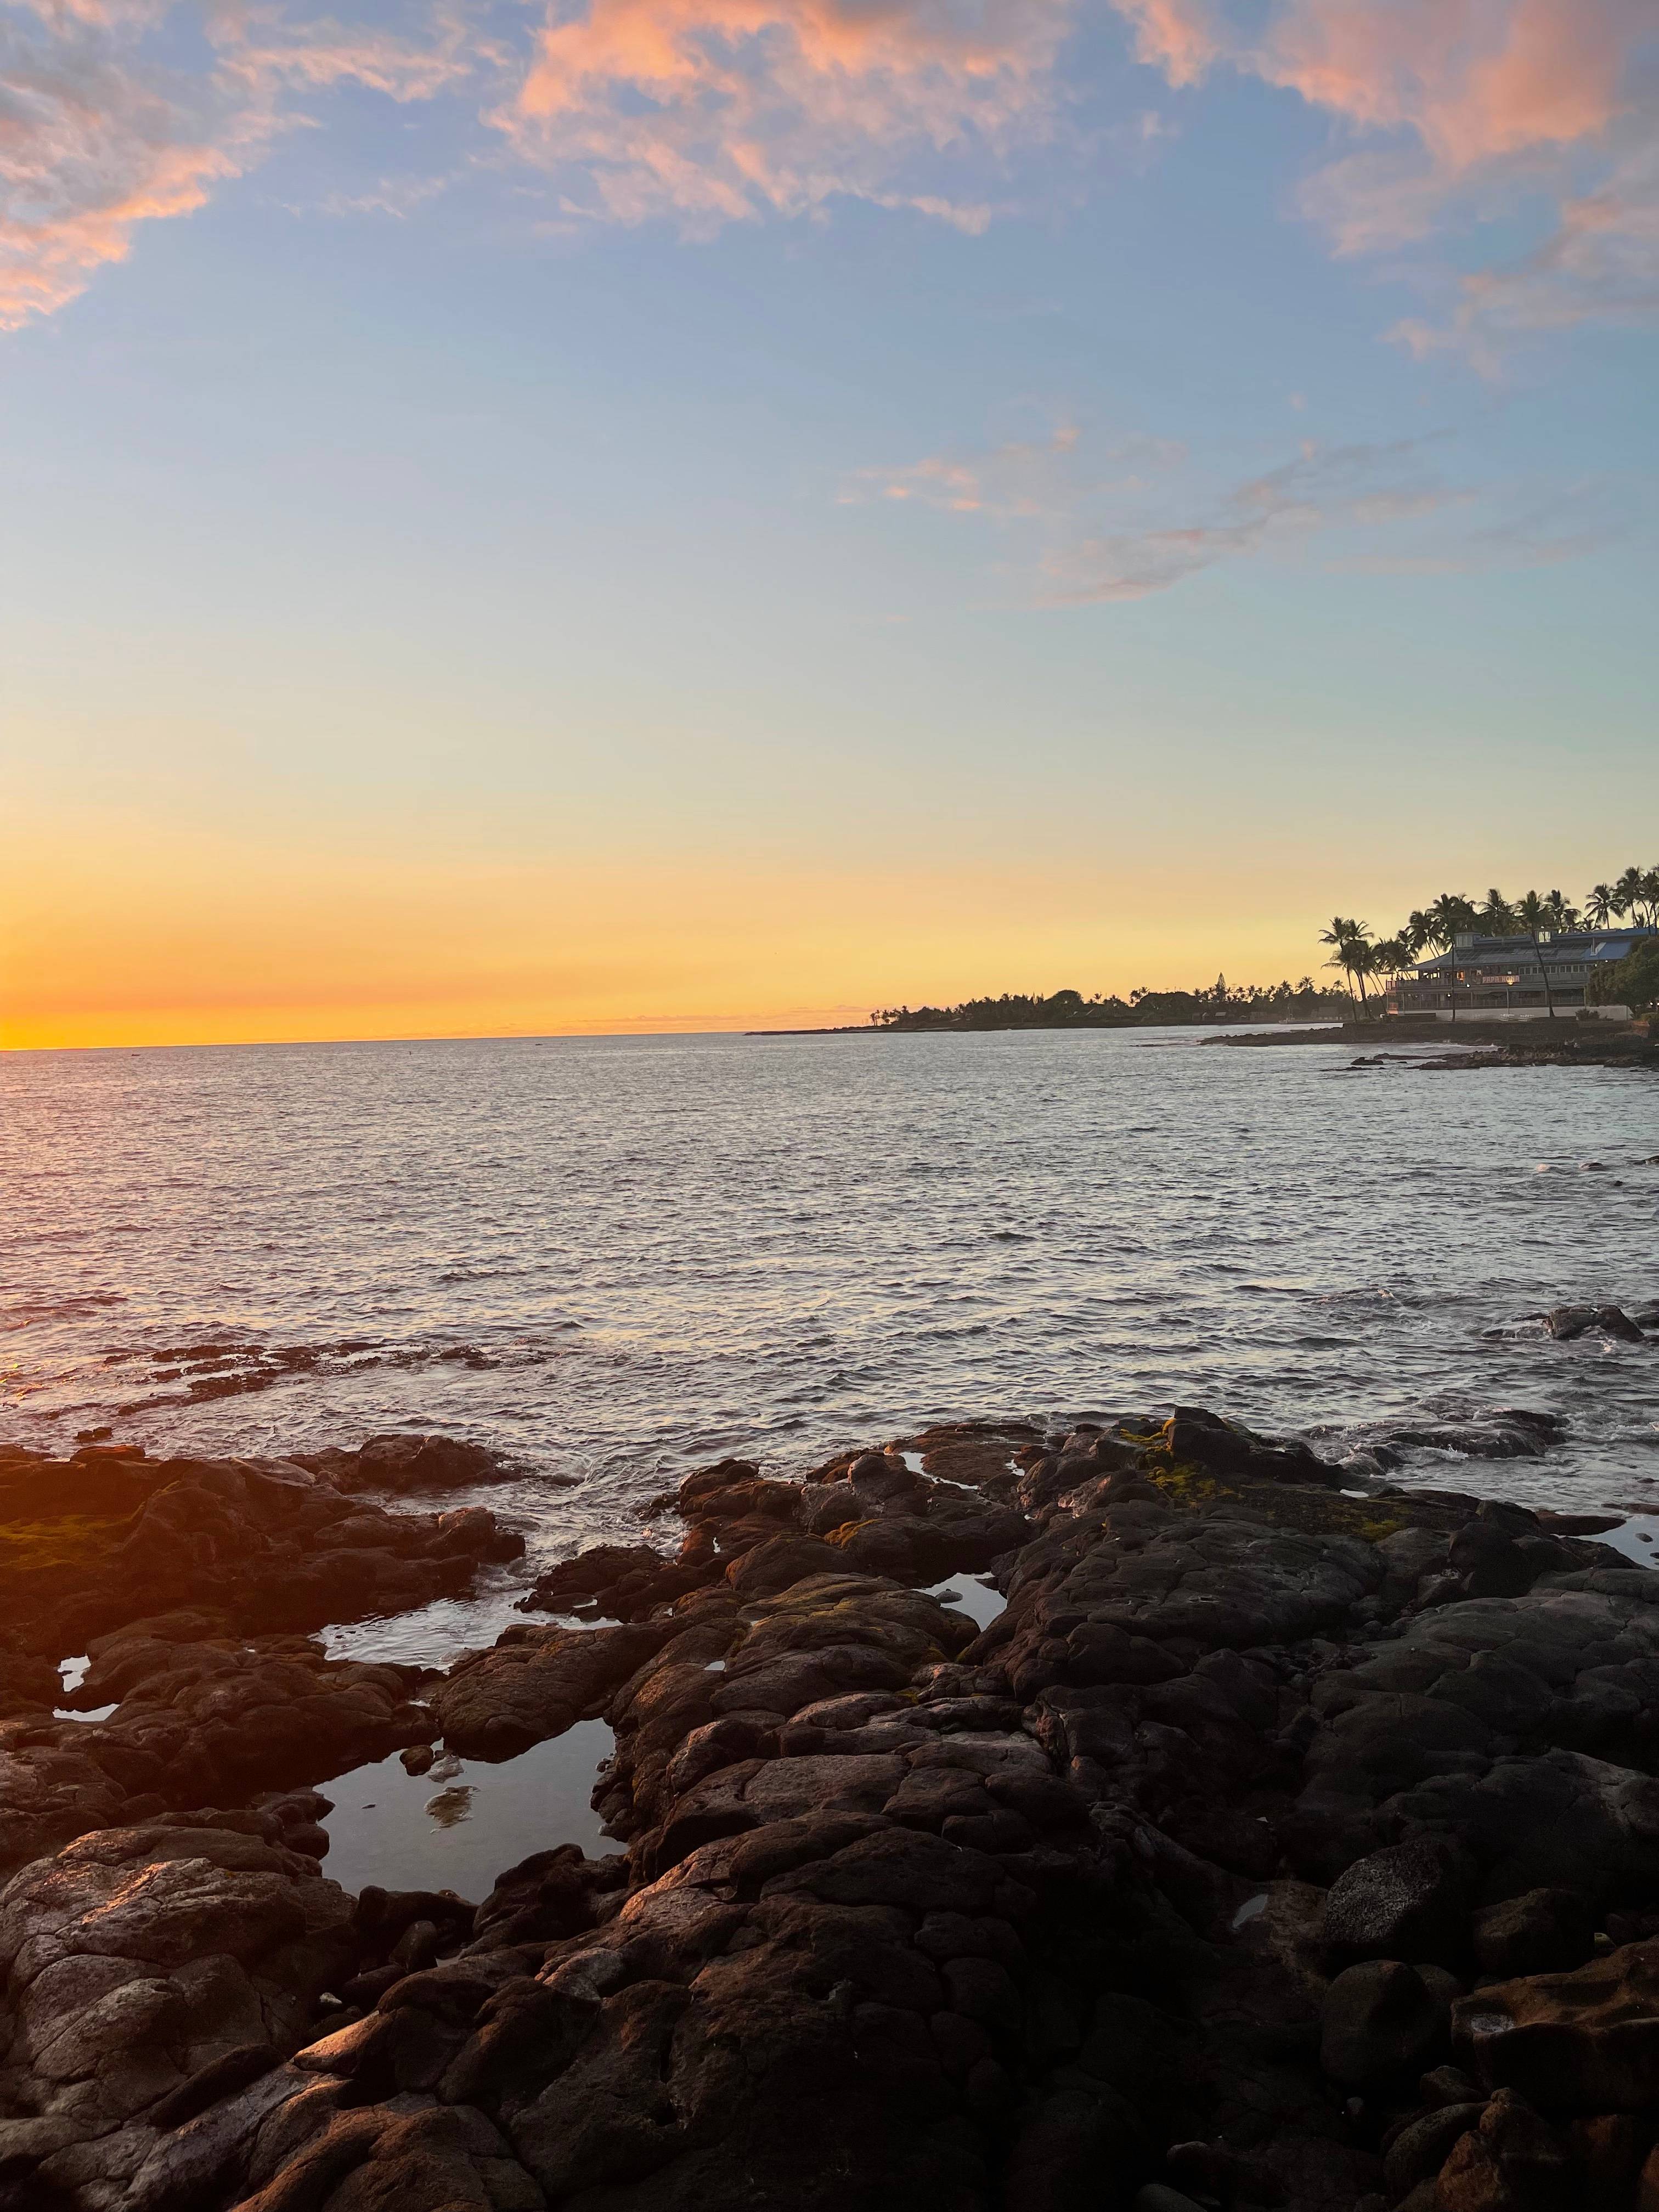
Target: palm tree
[1598,907]
[1452,916]
[1352,950]
[1535,916]
[1418,933]
[1630,894]
[1650,891]
[1563,917]
[1498,914]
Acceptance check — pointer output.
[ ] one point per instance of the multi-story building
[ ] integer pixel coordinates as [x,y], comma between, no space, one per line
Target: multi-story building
[1497,977]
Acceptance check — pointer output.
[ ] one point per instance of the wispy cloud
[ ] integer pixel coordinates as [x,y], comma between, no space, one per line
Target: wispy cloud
[711,111]
[1463,109]
[1138,517]
[114,113]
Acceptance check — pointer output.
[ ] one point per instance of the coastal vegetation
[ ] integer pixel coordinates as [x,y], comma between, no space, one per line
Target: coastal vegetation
[1632,981]
[1069,1009]
[1368,964]
[1365,959]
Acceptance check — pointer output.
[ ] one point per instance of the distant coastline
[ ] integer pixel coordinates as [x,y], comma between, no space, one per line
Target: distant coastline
[1211,1006]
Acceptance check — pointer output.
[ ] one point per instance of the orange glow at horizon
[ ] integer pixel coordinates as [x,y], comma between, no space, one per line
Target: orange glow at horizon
[193,940]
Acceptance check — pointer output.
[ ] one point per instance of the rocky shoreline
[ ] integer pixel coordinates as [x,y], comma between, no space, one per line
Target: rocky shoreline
[1288,1840]
[1469,1043]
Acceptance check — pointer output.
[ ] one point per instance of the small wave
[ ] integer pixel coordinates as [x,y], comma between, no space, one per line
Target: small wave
[27,1314]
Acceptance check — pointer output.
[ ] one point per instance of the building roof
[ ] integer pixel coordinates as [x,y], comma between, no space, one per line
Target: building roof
[1585,945]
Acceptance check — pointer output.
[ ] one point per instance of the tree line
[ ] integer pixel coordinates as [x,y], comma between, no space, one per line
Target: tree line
[1536,916]
[1067,1010]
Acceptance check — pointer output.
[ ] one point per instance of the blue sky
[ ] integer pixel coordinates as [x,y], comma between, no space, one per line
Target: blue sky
[1039,494]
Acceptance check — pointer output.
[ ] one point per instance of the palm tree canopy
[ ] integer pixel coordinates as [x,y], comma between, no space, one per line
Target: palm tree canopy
[1630,892]
[1497,911]
[1598,906]
[1451,915]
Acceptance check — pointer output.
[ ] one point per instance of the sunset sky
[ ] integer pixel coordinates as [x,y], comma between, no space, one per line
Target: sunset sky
[685,513]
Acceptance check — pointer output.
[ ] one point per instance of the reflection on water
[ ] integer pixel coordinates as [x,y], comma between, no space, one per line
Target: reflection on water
[972,1594]
[394,1828]
[619,1258]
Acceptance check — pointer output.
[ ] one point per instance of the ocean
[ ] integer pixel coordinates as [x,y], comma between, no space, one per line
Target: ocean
[614,1259]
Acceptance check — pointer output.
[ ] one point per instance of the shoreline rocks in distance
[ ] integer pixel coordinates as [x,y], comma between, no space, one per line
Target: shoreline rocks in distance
[1277,1849]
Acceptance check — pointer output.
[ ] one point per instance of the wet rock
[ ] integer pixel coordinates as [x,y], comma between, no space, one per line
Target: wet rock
[1507,1432]
[1567,1323]
[624,1582]
[407,1464]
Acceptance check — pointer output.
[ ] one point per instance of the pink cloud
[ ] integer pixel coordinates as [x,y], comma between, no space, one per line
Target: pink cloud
[98,137]
[711,111]
[1175,36]
[1474,103]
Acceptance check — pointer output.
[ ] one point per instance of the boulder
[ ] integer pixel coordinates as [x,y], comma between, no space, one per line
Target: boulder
[266,1542]
[149,1970]
[535,1683]
[405,1464]
[1409,1901]
[1377,2019]
[1543,1931]
[1573,2043]
[1569,1322]
[1512,2159]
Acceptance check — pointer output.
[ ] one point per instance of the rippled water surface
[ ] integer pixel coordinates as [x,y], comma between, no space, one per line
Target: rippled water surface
[615,1258]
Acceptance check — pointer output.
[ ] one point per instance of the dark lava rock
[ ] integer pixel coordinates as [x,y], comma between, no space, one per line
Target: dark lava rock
[149,1970]
[201,1718]
[1410,1901]
[406,1464]
[1418,2149]
[1581,2042]
[1545,1931]
[1569,1322]
[1514,2157]
[98,1542]
[536,1683]
[912,1916]
[1378,2019]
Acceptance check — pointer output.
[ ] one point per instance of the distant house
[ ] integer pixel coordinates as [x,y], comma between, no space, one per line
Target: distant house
[1499,976]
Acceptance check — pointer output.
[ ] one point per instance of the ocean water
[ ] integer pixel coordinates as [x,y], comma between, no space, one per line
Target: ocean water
[614,1259]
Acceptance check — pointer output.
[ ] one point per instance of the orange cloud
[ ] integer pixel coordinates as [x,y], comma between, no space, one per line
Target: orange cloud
[1488,96]
[711,111]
